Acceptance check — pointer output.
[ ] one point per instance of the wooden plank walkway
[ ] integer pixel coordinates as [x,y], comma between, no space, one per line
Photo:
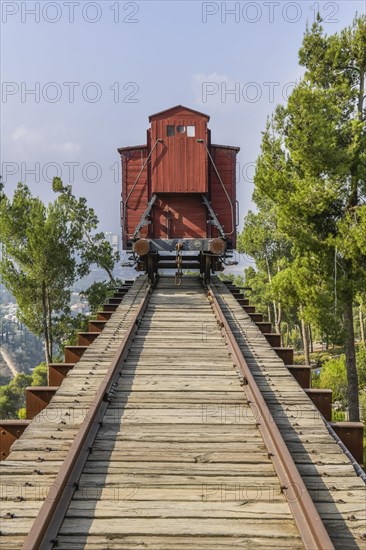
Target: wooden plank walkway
[167,470]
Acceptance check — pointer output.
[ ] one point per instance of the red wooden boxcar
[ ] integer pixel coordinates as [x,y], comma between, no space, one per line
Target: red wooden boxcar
[179,195]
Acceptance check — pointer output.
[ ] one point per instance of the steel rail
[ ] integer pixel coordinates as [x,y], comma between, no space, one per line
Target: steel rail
[311,528]
[357,468]
[46,526]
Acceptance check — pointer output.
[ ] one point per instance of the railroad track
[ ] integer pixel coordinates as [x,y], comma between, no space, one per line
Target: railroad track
[180,428]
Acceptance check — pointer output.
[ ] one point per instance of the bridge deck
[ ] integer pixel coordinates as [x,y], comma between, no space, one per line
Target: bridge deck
[179,460]
[165,463]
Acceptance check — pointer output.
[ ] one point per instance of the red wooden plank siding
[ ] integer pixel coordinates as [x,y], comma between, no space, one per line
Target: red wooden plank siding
[179,165]
[187,217]
[225,161]
[132,161]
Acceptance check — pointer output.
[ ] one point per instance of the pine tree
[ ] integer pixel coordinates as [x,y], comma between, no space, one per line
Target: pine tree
[312,174]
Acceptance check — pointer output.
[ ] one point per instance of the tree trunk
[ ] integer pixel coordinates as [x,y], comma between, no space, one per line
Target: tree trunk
[362,326]
[275,320]
[110,274]
[350,352]
[279,321]
[311,339]
[273,302]
[279,311]
[275,315]
[46,334]
[361,93]
[50,332]
[106,268]
[305,340]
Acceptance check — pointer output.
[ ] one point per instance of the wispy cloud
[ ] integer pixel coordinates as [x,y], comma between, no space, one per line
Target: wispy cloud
[67,147]
[42,140]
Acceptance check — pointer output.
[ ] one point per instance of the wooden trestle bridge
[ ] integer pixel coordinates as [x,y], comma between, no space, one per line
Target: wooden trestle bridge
[179,422]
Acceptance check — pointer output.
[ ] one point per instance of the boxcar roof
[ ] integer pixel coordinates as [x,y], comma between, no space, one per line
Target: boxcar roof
[234,147]
[178,107]
[127,148]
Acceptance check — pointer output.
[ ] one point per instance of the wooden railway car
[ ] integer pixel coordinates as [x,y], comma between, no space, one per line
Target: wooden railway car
[179,207]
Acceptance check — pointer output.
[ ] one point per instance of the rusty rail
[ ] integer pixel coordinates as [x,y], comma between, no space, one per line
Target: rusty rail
[311,528]
[49,519]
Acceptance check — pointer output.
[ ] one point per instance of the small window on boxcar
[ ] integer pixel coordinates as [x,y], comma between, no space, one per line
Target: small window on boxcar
[181,129]
[170,131]
[191,131]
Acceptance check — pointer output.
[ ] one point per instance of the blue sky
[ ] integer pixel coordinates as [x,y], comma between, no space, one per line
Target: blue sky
[100,68]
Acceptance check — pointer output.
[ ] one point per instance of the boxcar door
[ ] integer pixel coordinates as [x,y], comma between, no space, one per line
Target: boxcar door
[179,216]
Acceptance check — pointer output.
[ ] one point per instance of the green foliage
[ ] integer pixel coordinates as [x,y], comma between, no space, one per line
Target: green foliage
[323,129]
[12,395]
[239,280]
[338,416]
[226,277]
[19,383]
[37,276]
[361,366]
[91,247]
[67,328]
[333,376]
[39,264]
[260,293]
[293,339]
[97,294]
[363,406]
[363,419]
[7,409]
[40,375]
[323,357]
[308,237]
[22,413]
[261,239]
[315,379]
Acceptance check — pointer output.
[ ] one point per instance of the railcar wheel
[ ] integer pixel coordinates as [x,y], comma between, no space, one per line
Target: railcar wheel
[151,267]
[206,262]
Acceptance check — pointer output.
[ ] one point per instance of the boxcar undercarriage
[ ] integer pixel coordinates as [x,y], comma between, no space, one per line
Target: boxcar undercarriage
[205,255]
